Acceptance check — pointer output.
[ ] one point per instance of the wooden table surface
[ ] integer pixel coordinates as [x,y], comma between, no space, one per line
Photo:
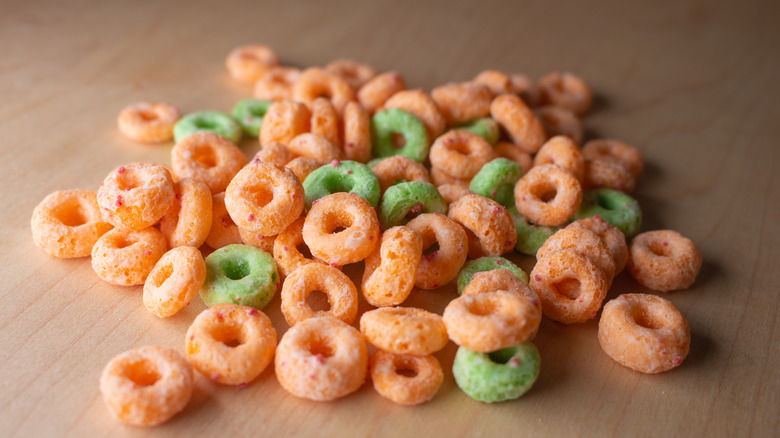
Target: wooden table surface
[693,85]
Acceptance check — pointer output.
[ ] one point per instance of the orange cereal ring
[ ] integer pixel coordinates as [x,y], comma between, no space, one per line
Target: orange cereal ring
[353,213]
[208,157]
[644,332]
[440,177]
[510,151]
[223,230]
[175,280]
[526,89]
[136,195]
[126,257]
[357,133]
[188,221]
[354,73]
[67,223]
[374,93]
[302,167]
[314,146]
[548,195]
[616,152]
[567,91]
[610,235]
[249,63]
[488,225]
[325,120]
[405,379]
[491,321]
[570,285]
[146,386]
[266,243]
[264,198]
[404,330]
[398,167]
[602,173]
[148,122]
[321,359]
[560,121]
[439,267]
[584,241]
[498,82]
[341,292]
[664,260]
[462,102]
[391,269]
[316,82]
[274,152]
[460,153]
[284,120]
[276,84]
[564,153]
[519,122]
[452,192]
[500,279]
[421,105]
[286,250]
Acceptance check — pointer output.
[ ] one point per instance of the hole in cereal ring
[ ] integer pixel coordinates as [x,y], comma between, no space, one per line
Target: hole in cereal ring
[502,356]
[481,307]
[606,202]
[234,269]
[304,250]
[321,347]
[228,335]
[147,115]
[548,196]
[644,319]
[162,275]
[318,301]
[659,249]
[71,214]
[123,242]
[143,373]
[129,180]
[568,287]
[261,194]
[205,156]
[404,367]
[431,250]
[398,140]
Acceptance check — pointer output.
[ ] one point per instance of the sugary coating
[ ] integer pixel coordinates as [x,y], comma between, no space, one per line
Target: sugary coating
[302,167]
[566,90]
[249,114]
[512,152]
[420,104]
[317,82]
[405,200]
[148,122]
[439,267]
[274,152]
[266,243]
[397,132]
[314,146]
[439,177]
[239,274]
[498,82]
[146,386]
[496,180]
[231,344]
[610,235]
[342,176]
[374,93]
[341,210]
[488,225]
[644,332]
[527,89]
[286,253]
[617,208]
[215,122]
[126,257]
[276,84]
[175,280]
[399,168]
[325,121]
[390,374]
[485,127]
[460,153]
[223,230]
[617,152]
[136,195]
[608,174]
[337,286]
[452,192]
[67,223]
[188,221]
[501,279]
[564,153]
[353,72]
[284,120]
[548,195]
[487,264]
[519,122]
[570,285]
[560,121]
[584,241]
[530,237]
[462,102]
[209,158]
[250,62]
[404,330]
[501,375]
[321,359]
[391,270]
[357,133]
[664,260]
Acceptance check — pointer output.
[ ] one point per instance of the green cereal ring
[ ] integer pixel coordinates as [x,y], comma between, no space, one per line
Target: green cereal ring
[413,197]
[501,375]
[249,114]
[239,274]
[496,180]
[211,121]
[342,176]
[613,206]
[483,264]
[530,237]
[385,125]
[486,128]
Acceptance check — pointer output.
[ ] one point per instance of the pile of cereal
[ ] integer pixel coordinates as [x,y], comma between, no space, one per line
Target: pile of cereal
[426,189]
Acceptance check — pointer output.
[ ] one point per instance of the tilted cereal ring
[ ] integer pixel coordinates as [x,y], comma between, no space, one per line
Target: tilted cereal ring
[440,177]
[325,121]
[231,344]
[404,201]
[249,114]
[286,253]
[264,198]
[396,132]
[391,381]
[488,225]
[564,153]
[610,234]
[437,268]
[404,330]
[483,264]
[316,82]
[188,221]
[566,90]
[207,121]
[283,121]
[314,146]
[146,386]
[421,105]
[644,332]
[175,280]
[136,195]
[485,127]
[548,195]
[530,237]
[302,167]
[207,157]
[664,260]
[391,269]
[260,241]
[347,210]
[462,102]
[357,133]
[399,168]
[374,93]
[520,123]
[460,153]
[501,279]
[601,173]
[274,152]
[148,122]
[341,292]
[223,230]
[614,207]
[501,375]
[510,151]
[321,359]
[496,81]
[250,62]
[342,176]
[354,73]
[496,180]
[125,257]
[617,152]
[276,84]
[67,223]
[570,285]
[560,121]
[239,274]
[526,89]
[452,192]
[584,241]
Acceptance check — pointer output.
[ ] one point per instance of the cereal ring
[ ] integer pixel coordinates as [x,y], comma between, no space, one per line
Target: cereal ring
[396,132]
[374,93]
[207,121]
[614,207]
[530,237]
[488,225]
[260,241]
[342,176]
[250,62]
[207,157]
[174,281]
[419,104]
[402,202]
[188,221]
[249,114]
[67,223]
[354,73]
[405,379]
[390,271]
[560,121]
[357,133]
[567,91]
[148,122]
[302,167]
[440,266]
[404,330]
[325,121]
[460,153]
[350,245]
[231,344]
[510,151]
[264,198]
[664,260]
[239,274]
[485,127]
[125,257]
[526,89]
[284,120]
[501,375]
[341,292]
[321,359]
[314,146]
[136,195]
[501,279]
[452,192]
[548,195]
[496,81]
[275,152]
[644,332]
[496,180]
[462,102]
[146,386]
[286,250]
[610,234]
[600,173]
[316,82]
[399,168]
[564,153]
[584,241]
[570,285]
[617,152]
[519,122]
[223,230]
[484,264]
[276,84]
[440,177]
